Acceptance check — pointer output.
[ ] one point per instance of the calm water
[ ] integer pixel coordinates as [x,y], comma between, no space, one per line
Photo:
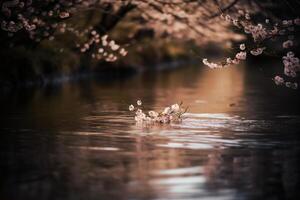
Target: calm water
[239,139]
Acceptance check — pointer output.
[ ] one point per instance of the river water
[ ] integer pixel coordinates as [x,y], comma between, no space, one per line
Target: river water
[238,140]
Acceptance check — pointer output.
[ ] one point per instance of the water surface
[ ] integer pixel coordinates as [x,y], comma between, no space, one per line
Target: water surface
[239,139]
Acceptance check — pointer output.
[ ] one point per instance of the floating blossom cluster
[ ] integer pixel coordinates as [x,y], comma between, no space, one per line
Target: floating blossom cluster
[170,114]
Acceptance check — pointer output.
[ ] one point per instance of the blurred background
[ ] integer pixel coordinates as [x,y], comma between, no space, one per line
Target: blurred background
[70,69]
[46,41]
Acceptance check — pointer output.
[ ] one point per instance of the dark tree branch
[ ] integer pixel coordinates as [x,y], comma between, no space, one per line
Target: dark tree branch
[110,20]
[222,10]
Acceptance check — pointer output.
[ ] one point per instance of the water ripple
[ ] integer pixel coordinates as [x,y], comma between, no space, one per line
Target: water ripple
[219,130]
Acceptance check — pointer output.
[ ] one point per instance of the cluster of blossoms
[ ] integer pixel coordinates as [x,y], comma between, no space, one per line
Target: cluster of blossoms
[261,34]
[257,51]
[242,55]
[102,47]
[287,44]
[186,20]
[291,64]
[291,67]
[34,17]
[280,81]
[42,19]
[99,47]
[169,114]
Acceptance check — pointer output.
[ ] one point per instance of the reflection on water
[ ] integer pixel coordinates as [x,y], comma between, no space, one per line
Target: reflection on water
[239,139]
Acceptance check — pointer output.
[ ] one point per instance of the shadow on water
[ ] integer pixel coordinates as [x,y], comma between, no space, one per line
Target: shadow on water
[239,139]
